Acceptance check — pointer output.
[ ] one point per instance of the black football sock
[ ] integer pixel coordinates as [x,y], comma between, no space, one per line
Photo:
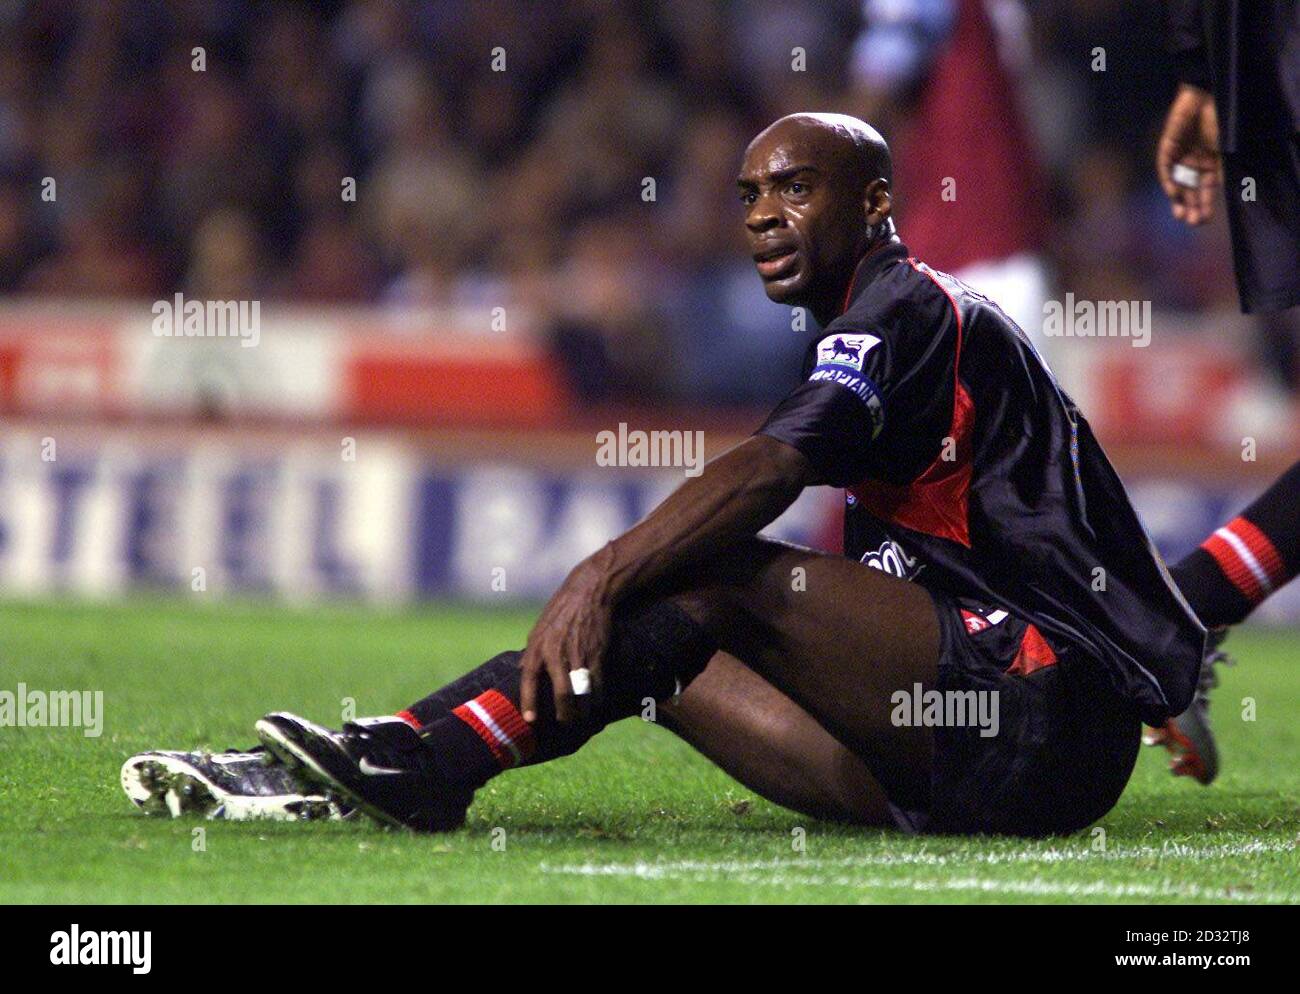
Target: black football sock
[654,652]
[439,704]
[1234,570]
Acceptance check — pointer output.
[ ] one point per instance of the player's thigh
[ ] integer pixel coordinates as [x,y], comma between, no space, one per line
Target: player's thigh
[839,638]
[773,746]
[818,626]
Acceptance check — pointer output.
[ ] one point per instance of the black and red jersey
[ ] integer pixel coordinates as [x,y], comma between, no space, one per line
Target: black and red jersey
[969,470]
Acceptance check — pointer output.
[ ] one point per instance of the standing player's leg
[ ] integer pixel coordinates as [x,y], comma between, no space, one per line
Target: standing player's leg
[1224,579]
[832,635]
[1231,573]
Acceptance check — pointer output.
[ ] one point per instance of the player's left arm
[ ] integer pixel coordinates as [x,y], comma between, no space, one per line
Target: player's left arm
[736,496]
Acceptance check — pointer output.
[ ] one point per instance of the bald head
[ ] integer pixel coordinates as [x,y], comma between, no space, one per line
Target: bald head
[816,194]
[850,144]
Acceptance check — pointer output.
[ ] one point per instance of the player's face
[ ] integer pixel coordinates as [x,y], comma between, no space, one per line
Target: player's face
[805,230]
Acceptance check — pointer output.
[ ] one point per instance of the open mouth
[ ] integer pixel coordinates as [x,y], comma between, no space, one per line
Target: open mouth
[774,262]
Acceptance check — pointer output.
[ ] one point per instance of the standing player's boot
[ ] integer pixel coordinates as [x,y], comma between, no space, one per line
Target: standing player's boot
[1188,736]
[1224,579]
[380,765]
[232,785]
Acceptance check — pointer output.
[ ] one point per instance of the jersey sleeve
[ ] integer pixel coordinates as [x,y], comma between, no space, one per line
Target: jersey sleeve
[834,415]
[890,391]
[1186,42]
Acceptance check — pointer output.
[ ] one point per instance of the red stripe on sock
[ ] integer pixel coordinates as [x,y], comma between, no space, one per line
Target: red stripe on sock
[499,752]
[509,720]
[1234,568]
[410,719]
[1262,548]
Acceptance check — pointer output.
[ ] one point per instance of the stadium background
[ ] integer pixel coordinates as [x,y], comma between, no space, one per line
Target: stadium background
[480,233]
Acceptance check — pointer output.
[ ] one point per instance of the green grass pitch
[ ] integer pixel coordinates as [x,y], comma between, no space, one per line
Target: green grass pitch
[635,817]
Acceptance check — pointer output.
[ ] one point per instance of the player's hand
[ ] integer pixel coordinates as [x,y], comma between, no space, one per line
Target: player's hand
[1190,140]
[571,633]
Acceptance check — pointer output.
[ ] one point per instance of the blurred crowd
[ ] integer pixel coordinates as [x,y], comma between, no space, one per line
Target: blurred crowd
[575,157]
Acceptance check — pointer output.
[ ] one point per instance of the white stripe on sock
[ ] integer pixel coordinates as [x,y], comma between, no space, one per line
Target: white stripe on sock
[498,733]
[1243,551]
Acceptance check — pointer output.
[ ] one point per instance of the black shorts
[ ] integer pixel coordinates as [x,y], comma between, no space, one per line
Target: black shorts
[1065,742]
[1262,192]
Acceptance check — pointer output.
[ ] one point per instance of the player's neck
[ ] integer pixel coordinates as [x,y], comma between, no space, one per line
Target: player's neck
[836,300]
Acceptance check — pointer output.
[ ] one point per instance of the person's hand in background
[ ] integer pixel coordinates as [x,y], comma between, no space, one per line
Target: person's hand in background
[1187,157]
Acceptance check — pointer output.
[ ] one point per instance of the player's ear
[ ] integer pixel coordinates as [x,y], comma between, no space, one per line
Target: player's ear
[877,202]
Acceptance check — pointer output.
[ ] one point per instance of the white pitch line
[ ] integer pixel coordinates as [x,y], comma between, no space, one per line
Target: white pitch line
[779,877]
[659,869]
[1030,888]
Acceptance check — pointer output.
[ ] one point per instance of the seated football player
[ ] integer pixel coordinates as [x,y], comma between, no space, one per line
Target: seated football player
[980,659]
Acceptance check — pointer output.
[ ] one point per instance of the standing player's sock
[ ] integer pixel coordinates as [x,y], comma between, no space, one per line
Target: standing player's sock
[654,652]
[1243,562]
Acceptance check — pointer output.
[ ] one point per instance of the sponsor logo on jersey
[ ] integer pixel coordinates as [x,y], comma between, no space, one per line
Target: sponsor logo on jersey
[976,623]
[890,558]
[840,359]
[845,350]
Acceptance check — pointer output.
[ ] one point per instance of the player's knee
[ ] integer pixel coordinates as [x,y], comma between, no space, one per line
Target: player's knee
[701,606]
[656,650]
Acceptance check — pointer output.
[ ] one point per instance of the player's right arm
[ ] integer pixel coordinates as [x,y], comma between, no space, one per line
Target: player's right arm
[818,435]
[736,496]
